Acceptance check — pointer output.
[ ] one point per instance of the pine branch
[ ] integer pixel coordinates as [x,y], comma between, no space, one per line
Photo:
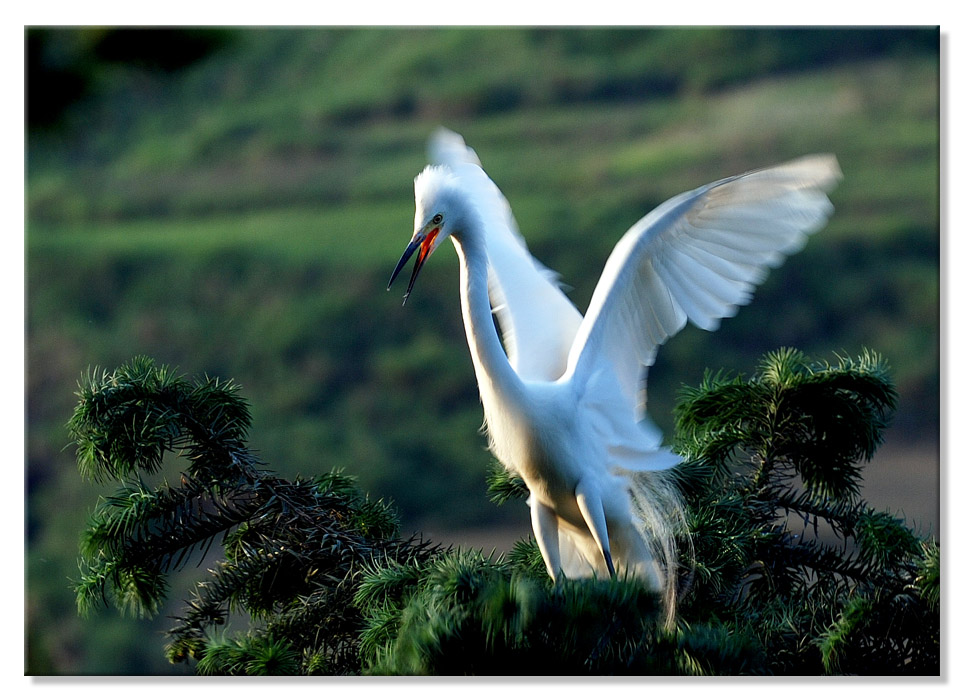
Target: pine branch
[503,485]
[328,586]
[125,422]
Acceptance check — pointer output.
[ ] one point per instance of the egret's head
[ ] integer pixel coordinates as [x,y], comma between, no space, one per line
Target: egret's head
[439,211]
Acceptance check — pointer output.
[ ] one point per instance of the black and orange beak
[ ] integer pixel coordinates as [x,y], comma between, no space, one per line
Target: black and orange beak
[425,245]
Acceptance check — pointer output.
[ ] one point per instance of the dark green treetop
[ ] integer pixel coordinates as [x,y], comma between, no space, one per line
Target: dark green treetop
[786,570]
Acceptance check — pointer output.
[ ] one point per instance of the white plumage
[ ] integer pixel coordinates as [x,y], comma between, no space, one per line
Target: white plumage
[563,395]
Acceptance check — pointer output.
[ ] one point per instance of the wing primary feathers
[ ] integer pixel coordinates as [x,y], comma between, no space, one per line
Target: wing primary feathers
[698,257]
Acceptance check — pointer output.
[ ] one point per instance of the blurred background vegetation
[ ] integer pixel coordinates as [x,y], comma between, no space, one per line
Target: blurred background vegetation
[231,202]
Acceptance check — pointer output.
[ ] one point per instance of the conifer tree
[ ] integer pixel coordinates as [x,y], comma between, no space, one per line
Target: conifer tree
[773,462]
[784,549]
[293,551]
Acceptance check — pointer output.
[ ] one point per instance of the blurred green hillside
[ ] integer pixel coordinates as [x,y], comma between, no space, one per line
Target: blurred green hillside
[232,202]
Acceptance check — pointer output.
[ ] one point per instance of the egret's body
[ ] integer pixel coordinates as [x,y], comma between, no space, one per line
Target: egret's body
[563,395]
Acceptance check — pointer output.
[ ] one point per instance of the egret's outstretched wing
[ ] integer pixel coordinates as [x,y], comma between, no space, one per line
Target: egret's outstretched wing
[697,257]
[537,321]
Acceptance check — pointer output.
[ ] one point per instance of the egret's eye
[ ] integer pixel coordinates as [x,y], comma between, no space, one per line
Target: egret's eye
[437,219]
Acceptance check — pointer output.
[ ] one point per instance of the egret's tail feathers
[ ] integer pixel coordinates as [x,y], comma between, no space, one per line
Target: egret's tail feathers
[658,514]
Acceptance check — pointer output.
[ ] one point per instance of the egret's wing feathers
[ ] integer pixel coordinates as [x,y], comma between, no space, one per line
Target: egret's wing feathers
[698,257]
[537,321]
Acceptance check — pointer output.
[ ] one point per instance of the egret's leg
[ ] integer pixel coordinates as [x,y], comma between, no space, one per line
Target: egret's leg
[590,505]
[545,525]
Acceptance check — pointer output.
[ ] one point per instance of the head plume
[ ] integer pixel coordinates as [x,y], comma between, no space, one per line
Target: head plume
[439,190]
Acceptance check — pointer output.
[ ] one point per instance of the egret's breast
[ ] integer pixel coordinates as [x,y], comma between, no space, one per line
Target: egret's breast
[540,441]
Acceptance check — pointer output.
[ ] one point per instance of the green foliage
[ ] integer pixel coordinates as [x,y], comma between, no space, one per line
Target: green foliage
[468,614]
[783,548]
[291,549]
[928,576]
[481,619]
[250,656]
[126,422]
[504,485]
[329,587]
[818,422]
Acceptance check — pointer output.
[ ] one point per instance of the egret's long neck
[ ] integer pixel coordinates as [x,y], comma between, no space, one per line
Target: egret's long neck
[496,377]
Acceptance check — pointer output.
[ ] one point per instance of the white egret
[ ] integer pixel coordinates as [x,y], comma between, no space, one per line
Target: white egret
[563,396]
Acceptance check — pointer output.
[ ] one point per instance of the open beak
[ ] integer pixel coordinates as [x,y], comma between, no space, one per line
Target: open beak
[425,245]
